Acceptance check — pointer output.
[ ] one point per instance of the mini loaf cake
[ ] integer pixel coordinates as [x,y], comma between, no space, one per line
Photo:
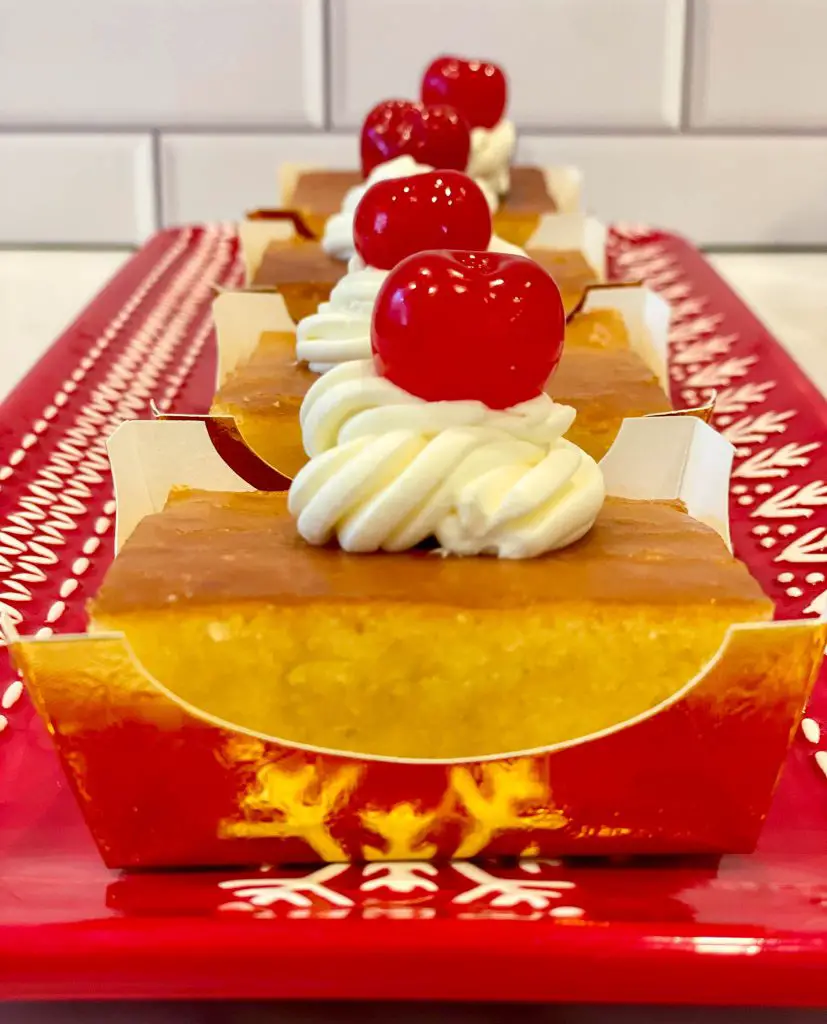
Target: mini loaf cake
[604,383]
[445,551]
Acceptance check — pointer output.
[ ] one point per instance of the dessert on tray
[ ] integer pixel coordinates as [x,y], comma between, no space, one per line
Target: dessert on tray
[459,124]
[437,641]
[478,91]
[396,217]
[446,436]
[264,391]
[613,364]
[571,247]
[401,138]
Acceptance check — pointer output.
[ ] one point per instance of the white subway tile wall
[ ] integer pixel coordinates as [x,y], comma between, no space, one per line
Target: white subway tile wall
[759,64]
[595,64]
[76,188]
[118,116]
[156,63]
[218,177]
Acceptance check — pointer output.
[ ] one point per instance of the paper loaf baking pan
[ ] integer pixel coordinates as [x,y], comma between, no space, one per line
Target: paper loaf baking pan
[165,783]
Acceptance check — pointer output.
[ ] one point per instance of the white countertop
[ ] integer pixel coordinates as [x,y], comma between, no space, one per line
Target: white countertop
[42,292]
[788,291]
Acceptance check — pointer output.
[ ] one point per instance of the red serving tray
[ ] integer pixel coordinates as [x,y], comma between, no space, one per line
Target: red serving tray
[734,930]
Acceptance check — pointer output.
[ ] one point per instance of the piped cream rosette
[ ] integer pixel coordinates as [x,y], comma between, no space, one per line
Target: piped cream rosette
[492,151]
[337,240]
[388,470]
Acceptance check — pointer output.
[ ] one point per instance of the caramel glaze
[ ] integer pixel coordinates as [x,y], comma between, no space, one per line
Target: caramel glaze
[321,192]
[602,384]
[270,374]
[569,268]
[213,548]
[298,262]
[606,384]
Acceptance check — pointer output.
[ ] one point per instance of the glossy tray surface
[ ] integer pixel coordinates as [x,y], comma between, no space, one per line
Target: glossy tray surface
[736,930]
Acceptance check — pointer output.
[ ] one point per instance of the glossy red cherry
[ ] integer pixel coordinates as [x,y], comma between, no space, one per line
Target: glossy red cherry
[434,135]
[438,210]
[475,88]
[468,325]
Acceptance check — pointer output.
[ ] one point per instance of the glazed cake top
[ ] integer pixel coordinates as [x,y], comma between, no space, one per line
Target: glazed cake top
[606,384]
[297,262]
[270,373]
[569,267]
[213,548]
[601,383]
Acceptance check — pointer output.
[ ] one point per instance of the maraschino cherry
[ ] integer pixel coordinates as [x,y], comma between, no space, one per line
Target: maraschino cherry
[431,134]
[468,325]
[476,89]
[437,210]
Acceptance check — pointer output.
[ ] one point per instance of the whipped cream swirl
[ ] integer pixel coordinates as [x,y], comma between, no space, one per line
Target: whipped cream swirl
[492,150]
[340,330]
[337,240]
[388,470]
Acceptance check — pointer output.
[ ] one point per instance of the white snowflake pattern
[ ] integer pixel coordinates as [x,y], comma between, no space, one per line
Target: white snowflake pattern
[400,876]
[698,328]
[756,429]
[649,259]
[818,605]
[509,892]
[775,462]
[690,307]
[810,547]
[718,374]
[794,502]
[675,292]
[297,892]
[704,350]
[738,399]
[665,279]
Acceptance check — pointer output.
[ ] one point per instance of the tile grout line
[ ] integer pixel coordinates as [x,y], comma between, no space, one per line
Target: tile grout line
[688,55]
[327,75]
[157,180]
[620,132]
